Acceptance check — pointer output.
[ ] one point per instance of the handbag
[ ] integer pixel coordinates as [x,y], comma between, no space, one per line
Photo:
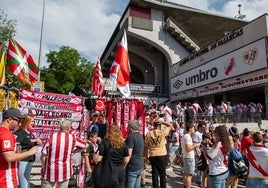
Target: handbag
[237,164]
[105,173]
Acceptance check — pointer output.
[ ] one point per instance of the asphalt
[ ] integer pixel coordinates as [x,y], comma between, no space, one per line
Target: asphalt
[174,178]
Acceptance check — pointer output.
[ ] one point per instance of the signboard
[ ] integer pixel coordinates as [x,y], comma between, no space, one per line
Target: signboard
[244,60]
[38,86]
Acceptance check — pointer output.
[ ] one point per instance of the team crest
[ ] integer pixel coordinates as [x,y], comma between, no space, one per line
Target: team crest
[250,56]
[7,144]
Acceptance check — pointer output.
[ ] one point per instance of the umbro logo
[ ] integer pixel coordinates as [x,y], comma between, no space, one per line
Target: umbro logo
[177,84]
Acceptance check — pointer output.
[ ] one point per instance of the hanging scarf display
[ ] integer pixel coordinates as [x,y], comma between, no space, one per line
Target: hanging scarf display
[118,110]
[141,116]
[133,110]
[125,117]
[109,111]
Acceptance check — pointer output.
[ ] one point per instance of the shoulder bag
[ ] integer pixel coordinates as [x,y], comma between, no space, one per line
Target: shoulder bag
[105,173]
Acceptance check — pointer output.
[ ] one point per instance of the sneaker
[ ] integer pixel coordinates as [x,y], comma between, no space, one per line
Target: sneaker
[169,169]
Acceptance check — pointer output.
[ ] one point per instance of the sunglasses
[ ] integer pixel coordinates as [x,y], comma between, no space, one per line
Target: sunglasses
[16,119]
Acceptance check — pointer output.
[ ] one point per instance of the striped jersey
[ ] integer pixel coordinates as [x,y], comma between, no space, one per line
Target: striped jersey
[8,170]
[59,150]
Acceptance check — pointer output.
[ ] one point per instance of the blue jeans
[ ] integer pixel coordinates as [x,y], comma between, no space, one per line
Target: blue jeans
[133,179]
[218,181]
[256,183]
[199,173]
[25,168]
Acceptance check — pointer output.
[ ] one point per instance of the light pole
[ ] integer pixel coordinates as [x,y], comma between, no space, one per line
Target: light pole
[41,39]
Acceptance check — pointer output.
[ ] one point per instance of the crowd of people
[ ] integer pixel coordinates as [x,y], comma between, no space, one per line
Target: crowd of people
[225,111]
[203,148]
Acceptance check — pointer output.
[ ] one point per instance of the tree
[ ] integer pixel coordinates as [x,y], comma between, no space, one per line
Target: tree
[7,30]
[67,72]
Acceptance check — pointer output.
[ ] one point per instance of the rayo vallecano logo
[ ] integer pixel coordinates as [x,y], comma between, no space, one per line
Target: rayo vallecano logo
[178,84]
[250,56]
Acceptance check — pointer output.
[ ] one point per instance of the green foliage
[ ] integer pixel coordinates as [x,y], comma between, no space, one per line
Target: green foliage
[7,30]
[67,72]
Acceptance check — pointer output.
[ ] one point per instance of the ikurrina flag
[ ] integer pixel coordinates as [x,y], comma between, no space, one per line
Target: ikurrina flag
[120,69]
[21,63]
[97,81]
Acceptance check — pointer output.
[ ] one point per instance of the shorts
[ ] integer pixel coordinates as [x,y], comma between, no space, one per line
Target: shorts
[189,165]
[172,150]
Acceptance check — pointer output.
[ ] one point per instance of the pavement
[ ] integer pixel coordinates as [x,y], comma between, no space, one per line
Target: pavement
[174,178]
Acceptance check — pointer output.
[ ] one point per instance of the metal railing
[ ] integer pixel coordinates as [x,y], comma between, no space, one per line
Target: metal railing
[36,179]
[255,117]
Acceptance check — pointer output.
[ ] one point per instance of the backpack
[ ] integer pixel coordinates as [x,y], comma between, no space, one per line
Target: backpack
[237,164]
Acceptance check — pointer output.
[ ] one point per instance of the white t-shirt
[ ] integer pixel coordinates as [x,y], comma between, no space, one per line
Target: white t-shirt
[218,163]
[187,139]
[197,137]
[210,110]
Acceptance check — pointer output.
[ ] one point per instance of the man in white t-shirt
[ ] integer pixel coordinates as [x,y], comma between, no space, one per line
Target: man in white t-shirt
[188,148]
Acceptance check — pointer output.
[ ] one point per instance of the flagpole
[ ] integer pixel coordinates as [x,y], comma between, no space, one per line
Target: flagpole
[41,39]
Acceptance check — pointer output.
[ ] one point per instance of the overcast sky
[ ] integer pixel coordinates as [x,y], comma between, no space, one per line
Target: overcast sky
[87,25]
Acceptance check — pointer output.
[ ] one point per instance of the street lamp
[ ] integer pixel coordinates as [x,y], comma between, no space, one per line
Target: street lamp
[41,39]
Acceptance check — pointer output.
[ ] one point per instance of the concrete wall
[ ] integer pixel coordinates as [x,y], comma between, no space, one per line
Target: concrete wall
[250,126]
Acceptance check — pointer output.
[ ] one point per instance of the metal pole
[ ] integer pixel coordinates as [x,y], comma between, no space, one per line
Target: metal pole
[41,39]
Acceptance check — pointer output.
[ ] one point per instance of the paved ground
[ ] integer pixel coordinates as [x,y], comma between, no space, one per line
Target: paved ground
[174,179]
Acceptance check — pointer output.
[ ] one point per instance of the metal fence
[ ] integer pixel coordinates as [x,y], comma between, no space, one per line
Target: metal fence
[255,117]
[36,177]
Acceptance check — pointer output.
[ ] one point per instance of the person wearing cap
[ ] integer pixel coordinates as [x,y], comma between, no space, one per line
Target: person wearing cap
[135,144]
[56,156]
[8,154]
[156,152]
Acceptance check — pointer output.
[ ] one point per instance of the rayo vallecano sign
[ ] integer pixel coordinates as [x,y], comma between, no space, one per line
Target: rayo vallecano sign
[244,60]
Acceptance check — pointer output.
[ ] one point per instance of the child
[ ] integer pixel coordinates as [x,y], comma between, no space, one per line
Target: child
[91,149]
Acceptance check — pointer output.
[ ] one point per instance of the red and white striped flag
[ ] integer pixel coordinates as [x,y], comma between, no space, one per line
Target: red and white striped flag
[120,69]
[97,81]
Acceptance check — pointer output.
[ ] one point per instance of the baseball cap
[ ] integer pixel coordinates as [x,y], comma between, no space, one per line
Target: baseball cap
[93,128]
[12,112]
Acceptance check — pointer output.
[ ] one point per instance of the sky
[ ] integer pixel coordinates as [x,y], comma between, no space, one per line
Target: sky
[87,25]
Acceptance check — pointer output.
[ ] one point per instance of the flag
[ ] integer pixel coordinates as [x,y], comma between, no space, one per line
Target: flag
[21,63]
[120,69]
[97,81]
[2,70]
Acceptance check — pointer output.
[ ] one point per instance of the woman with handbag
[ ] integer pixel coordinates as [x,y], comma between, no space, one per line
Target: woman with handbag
[111,159]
